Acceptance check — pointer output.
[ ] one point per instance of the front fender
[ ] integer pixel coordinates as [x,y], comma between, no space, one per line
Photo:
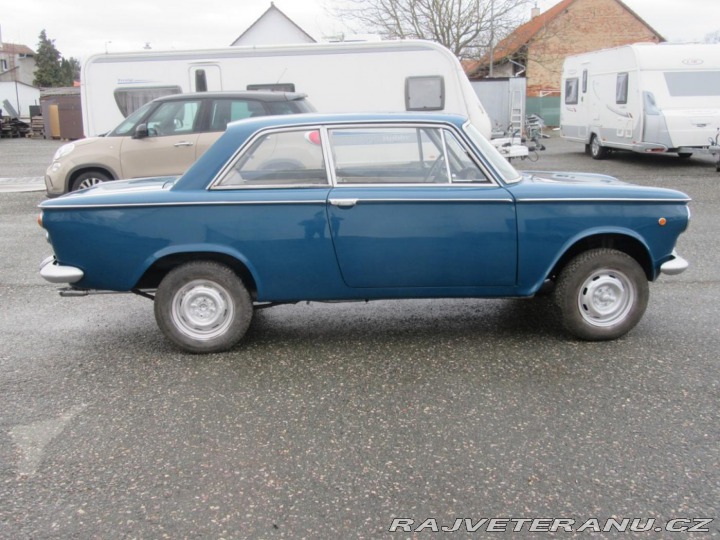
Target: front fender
[536,269]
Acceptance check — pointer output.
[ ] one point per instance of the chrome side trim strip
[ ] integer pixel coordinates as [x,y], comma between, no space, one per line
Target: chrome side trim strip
[189,203]
[606,200]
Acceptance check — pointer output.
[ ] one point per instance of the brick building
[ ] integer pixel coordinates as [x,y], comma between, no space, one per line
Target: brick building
[536,49]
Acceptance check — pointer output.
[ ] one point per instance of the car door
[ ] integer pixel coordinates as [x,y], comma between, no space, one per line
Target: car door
[410,208]
[169,147]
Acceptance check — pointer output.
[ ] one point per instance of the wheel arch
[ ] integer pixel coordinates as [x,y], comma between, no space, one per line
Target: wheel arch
[163,264]
[619,241]
[84,168]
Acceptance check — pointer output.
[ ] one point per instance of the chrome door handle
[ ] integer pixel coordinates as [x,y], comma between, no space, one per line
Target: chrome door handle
[182,143]
[344,203]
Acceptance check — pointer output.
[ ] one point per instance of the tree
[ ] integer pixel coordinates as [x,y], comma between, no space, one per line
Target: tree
[52,69]
[467,27]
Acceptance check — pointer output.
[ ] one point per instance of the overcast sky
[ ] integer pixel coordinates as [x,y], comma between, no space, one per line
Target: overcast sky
[84,27]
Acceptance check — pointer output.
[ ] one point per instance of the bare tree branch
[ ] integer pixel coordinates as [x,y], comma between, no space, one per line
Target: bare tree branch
[466,27]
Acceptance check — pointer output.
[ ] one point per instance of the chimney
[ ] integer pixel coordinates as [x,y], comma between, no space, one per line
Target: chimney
[534,12]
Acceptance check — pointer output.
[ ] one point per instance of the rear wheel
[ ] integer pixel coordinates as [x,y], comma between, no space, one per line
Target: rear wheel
[203,307]
[602,294]
[684,155]
[597,150]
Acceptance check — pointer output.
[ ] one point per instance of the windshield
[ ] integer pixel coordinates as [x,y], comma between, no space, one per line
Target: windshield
[501,165]
[127,125]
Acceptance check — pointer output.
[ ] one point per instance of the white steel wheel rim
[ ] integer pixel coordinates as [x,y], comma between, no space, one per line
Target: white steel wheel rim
[606,297]
[202,310]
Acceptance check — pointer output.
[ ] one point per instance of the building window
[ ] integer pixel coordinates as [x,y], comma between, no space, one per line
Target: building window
[3,64]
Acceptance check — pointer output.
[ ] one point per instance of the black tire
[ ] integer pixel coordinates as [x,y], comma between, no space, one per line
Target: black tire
[602,294]
[89,179]
[684,155]
[203,307]
[597,150]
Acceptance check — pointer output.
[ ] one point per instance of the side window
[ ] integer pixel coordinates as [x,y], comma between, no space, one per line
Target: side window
[621,88]
[571,91]
[584,81]
[387,155]
[292,158]
[224,111]
[425,93]
[173,118]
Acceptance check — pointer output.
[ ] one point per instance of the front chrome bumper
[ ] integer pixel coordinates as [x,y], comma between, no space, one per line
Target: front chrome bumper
[53,272]
[676,265]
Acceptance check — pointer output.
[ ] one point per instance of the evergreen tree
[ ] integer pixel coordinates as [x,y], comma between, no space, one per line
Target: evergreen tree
[52,69]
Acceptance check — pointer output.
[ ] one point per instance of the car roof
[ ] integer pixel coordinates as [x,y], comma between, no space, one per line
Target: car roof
[262,122]
[259,95]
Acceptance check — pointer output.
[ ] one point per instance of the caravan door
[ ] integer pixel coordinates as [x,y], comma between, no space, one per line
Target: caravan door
[205,78]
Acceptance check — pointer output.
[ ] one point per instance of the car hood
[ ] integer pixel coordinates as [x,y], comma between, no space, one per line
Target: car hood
[551,185]
[548,177]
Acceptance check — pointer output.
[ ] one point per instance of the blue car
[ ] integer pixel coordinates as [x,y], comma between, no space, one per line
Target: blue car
[367,206]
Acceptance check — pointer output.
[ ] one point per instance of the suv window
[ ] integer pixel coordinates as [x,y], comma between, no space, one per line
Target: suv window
[173,118]
[224,111]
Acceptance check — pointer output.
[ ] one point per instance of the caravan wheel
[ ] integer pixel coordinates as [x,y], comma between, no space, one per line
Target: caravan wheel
[597,150]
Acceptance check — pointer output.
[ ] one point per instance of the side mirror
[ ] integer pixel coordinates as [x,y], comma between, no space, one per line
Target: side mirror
[141,131]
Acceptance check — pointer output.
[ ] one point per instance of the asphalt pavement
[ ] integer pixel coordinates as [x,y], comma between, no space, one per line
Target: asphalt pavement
[348,420]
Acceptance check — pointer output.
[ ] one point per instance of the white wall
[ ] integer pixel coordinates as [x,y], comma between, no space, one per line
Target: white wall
[18,92]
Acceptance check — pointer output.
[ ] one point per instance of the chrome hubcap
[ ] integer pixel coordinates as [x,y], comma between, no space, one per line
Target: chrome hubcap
[202,310]
[606,297]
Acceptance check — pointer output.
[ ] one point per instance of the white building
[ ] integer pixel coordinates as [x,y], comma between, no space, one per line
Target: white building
[273,28]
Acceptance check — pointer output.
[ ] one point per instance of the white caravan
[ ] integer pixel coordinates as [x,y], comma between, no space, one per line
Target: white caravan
[383,76]
[643,98]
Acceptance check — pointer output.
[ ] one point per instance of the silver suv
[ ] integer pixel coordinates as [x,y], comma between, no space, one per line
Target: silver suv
[162,138]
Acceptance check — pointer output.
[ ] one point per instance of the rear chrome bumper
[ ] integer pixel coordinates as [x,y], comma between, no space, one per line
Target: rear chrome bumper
[676,265]
[53,272]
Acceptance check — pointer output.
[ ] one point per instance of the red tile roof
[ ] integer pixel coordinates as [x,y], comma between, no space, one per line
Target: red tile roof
[526,32]
[13,48]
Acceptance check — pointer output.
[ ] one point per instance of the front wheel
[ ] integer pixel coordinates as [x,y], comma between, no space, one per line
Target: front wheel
[602,294]
[89,179]
[203,307]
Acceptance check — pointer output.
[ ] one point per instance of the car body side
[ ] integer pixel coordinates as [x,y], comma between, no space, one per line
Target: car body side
[291,244]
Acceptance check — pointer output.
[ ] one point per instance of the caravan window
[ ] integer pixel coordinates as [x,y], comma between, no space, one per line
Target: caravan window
[425,93]
[693,83]
[571,91]
[621,88]
[130,100]
[584,81]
